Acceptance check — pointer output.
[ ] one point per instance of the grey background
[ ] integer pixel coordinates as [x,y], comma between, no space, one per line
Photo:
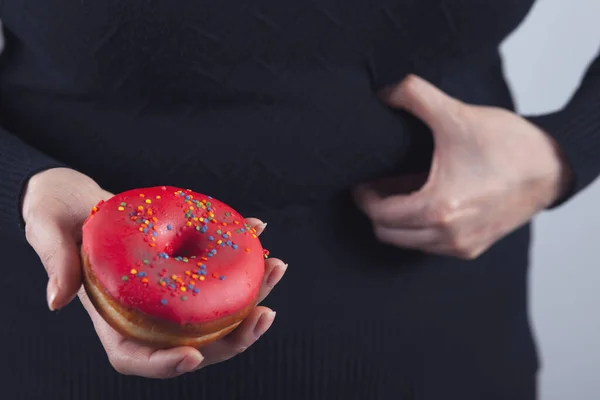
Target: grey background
[545,60]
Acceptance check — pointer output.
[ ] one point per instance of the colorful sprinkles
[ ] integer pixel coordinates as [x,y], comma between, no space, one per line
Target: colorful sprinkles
[199,215]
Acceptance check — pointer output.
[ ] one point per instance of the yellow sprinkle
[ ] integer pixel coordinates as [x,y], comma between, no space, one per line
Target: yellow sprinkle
[157,197]
[121,208]
[219,241]
[198,263]
[236,222]
[188,273]
[192,282]
[133,271]
[148,201]
[201,219]
[142,195]
[95,209]
[141,229]
[195,276]
[174,277]
[202,277]
[141,208]
[188,223]
[182,289]
[192,208]
[254,236]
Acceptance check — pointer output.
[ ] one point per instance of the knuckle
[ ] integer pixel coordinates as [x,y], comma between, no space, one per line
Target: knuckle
[443,213]
[118,364]
[460,247]
[460,114]
[465,252]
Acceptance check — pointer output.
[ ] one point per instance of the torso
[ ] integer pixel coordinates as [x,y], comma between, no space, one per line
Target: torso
[270,106]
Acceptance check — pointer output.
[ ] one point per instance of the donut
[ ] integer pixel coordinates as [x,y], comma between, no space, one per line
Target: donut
[170,267]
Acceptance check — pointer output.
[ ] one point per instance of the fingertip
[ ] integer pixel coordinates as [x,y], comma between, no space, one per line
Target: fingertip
[276,274]
[263,323]
[51,294]
[257,224]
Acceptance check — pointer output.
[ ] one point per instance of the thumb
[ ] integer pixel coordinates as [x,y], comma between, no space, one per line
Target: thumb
[58,251]
[424,100]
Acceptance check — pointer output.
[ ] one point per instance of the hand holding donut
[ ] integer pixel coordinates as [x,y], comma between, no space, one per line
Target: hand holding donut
[492,171]
[55,205]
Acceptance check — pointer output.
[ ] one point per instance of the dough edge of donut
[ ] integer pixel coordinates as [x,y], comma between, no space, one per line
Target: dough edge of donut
[151,337]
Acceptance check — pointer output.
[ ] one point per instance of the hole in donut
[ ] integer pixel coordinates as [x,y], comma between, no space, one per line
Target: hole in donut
[189,244]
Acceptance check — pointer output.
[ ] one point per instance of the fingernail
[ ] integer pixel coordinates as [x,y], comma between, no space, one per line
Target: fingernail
[263,226]
[189,363]
[275,278]
[51,293]
[264,323]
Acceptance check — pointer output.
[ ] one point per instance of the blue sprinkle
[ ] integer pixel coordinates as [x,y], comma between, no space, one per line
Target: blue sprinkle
[187,197]
[163,302]
[235,246]
[150,225]
[203,272]
[208,208]
[141,274]
[210,254]
[222,277]
[211,238]
[190,287]
[203,266]
[181,194]
[204,229]
[169,227]
[167,281]
[132,213]
[145,230]
[172,286]
[225,236]
[155,234]
[196,290]
[213,251]
[229,242]
[242,230]
[222,244]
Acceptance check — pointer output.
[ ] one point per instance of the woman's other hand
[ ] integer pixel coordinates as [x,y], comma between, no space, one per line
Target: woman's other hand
[492,171]
[55,205]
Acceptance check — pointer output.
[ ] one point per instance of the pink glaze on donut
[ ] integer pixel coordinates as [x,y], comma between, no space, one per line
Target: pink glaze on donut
[174,254]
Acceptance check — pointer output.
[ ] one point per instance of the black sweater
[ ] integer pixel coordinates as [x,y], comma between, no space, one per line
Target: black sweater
[271,107]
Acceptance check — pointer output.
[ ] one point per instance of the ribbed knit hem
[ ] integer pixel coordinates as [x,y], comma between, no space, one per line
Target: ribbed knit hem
[18,163]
